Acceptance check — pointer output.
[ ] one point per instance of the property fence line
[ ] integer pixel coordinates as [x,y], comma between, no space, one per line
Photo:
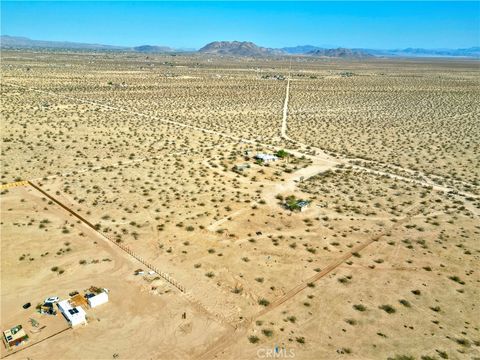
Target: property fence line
[201,307]
[125,248]
[13,184]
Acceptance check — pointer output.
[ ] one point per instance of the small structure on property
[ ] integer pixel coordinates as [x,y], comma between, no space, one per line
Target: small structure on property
[273,76]
[74,315]
[294,204]
[241,167]
[47,308]
[14,336]
[266,158]
[303,204]
[95,300]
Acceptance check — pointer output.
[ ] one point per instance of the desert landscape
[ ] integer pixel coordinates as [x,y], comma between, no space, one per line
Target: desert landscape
[241,208]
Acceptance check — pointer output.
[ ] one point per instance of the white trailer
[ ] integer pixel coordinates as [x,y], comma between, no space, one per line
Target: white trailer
[97,300]
[75,316]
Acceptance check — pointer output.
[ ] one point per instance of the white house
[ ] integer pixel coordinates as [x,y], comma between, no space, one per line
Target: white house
[75,316]
[99,299]
[266,157]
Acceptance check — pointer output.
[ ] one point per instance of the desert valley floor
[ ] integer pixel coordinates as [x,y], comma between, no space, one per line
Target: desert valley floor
[115,163]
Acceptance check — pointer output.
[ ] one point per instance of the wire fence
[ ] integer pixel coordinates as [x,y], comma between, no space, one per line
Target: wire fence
[125,248]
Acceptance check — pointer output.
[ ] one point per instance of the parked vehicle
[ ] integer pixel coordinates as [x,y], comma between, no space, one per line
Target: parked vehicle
[27,305]
[51,300]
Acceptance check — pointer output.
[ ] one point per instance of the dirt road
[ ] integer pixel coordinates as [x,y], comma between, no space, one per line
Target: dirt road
[320,154]
[283,130]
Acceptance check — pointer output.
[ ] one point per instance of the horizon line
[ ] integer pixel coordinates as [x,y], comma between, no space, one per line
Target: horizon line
[86,42]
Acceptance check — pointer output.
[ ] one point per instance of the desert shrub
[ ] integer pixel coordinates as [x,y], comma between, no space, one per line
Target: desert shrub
[442,354]
[463,342]
[292,319]
[351,321]
[457,280]
[267,332]
[401,357]
[300,340]
[359,307]
[263,302]
[253,339]
[388,309]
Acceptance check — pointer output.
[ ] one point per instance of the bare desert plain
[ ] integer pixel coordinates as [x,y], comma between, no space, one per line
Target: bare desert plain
[114,163]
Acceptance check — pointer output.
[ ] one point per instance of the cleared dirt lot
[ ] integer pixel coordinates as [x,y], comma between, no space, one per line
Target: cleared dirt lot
[135,312]
[153,152]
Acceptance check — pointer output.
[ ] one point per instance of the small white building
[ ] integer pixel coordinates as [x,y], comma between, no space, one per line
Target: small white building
[97,300]
[266,157]
[303,204]
[75,316]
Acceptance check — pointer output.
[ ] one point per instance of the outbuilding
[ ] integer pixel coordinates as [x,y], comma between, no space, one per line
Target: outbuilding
[241,167]
[303,204]
[98,299]
[14,336]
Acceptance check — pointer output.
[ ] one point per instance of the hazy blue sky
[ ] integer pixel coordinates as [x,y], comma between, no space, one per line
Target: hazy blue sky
[273,24]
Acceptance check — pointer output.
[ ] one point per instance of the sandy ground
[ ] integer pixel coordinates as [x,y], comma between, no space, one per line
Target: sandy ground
[382,264]
[135,312]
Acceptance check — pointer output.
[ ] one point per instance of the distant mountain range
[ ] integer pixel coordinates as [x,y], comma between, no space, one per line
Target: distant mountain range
[238,48]
[151,49]
[23,42]
[303,49]
[18,42]
[242,49]
[341,53]
[472,52]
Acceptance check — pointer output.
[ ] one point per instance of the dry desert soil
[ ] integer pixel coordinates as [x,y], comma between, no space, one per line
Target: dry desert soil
[115,162]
